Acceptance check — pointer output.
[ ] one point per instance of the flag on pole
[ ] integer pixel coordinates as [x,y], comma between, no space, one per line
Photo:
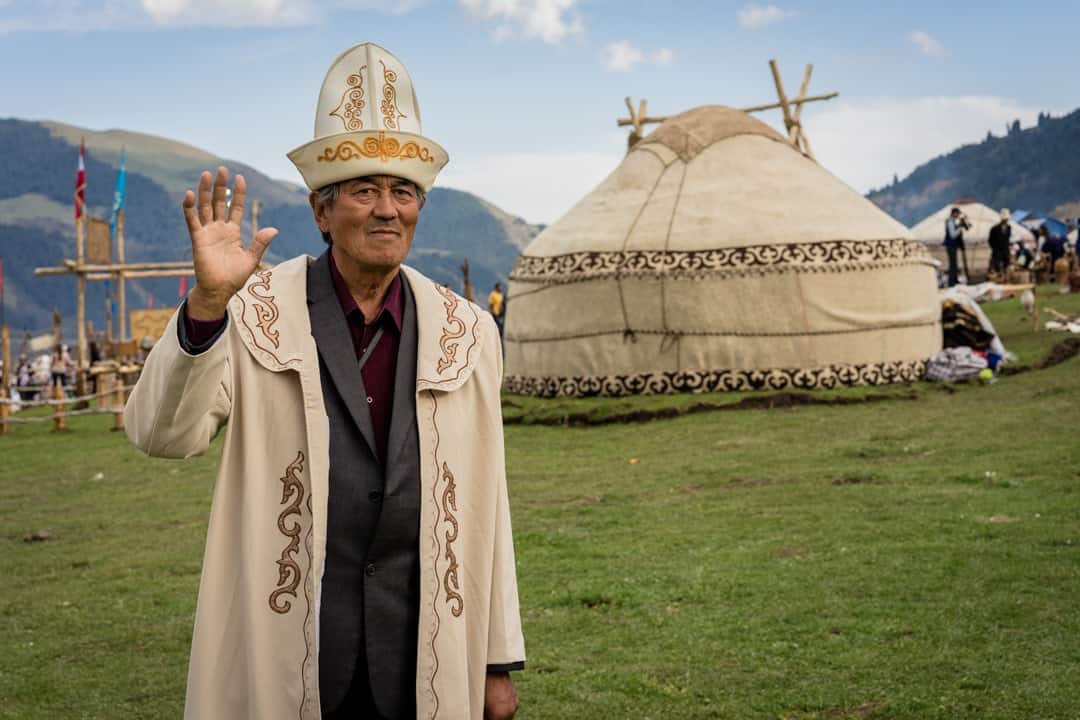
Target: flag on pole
[80,181]
[182,290]
[120,193]
[149,301]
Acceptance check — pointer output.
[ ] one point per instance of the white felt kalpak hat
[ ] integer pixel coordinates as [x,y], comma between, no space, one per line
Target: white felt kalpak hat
[368,123]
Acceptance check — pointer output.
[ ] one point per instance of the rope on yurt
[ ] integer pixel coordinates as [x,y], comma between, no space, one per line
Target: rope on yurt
[628,333]
[674,337]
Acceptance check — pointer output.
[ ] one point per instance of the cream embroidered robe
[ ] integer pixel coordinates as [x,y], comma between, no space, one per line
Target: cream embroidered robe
[254,652]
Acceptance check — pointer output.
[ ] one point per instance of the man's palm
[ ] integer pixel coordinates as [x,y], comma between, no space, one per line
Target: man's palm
[222,264]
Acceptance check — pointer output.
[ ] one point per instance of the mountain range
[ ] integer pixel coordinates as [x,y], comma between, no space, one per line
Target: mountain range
[37,226]
[1034,168]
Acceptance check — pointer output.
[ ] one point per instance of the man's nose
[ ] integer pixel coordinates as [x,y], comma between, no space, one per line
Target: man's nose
[384,205]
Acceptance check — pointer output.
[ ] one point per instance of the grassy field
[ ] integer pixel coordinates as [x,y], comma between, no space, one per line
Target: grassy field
[917,557]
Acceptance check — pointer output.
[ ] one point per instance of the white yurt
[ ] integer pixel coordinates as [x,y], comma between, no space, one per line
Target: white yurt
[718,257]
[931,232]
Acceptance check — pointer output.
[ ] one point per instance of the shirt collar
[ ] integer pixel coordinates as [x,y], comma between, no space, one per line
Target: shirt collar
[393,305]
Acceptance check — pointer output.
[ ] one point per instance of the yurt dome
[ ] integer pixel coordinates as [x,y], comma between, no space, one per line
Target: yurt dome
[718,257]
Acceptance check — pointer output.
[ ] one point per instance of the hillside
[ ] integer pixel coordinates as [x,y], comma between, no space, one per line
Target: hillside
[37,226]
[1033,168]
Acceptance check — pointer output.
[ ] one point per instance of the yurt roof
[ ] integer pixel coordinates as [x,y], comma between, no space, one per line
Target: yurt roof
[713,178]
[931,230]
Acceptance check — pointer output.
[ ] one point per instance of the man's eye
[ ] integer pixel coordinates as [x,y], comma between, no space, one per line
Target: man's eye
[366,192]
[404,193]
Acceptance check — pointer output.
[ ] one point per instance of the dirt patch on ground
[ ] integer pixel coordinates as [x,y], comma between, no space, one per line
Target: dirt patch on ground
[1064,350]
[781,400]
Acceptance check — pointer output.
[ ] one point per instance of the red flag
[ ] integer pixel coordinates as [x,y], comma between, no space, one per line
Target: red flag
[149,301]
[183,286]
[80,181]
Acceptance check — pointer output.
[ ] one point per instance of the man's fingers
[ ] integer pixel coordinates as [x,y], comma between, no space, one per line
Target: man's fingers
[192,218]
[205,213]
[221,184]
[236,207]
[261,242]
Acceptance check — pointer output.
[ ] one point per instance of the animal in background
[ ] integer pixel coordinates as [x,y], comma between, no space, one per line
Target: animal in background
[1027,299]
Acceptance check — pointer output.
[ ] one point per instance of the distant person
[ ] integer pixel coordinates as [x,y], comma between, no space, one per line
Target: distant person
[61,365]
[954,241]
[1051,245]
[496,301]
[999,244]
[1025,258]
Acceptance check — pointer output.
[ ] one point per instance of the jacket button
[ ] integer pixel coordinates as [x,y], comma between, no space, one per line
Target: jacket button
[374,496]
[370,569]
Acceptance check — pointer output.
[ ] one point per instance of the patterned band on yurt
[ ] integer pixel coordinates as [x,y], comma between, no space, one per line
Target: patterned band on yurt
[717,257]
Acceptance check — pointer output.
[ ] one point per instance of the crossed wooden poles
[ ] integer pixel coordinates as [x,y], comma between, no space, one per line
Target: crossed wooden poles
[792,115]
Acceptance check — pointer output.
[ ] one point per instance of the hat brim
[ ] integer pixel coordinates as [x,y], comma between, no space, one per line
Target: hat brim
[347,155]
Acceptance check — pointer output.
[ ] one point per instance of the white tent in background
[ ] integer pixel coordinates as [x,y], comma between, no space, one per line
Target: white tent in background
[717,257]
[931,231]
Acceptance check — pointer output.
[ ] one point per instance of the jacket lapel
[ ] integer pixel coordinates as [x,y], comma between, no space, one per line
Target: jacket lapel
[403,417]
[332,338]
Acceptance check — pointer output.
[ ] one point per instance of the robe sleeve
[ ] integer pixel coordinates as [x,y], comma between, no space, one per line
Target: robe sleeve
[506,644]
[181,400]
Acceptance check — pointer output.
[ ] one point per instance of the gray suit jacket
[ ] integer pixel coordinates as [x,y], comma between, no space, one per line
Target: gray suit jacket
[370,599]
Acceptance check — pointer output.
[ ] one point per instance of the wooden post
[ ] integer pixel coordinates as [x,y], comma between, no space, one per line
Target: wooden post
[59,420]
[784,105]
[119,398]
[121,294]
[468,289]
[80,310]
[1035,307]
[5,378]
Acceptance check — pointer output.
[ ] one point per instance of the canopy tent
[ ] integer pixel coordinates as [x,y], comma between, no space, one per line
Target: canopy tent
[717,257]
[931,231]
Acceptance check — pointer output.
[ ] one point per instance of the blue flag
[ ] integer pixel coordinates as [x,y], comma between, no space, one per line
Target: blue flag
[118,196]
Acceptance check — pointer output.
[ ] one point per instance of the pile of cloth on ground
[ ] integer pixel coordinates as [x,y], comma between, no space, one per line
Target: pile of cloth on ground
[971,345]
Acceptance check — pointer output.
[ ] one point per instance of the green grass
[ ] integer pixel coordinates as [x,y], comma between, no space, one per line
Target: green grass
[899,559]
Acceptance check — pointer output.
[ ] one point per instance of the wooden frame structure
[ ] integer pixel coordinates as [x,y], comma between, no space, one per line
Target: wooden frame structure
[120,271]
[792,110]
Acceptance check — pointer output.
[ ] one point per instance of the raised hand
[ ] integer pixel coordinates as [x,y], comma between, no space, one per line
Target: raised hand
[222,264]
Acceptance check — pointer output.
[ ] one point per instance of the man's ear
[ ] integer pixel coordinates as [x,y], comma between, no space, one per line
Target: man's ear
[318,210]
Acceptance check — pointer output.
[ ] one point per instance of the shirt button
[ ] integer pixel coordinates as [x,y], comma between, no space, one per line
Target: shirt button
[370,569]
[374,496]
[370,400]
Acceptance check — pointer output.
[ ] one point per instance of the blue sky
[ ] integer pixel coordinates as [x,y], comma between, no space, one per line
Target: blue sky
[525,93]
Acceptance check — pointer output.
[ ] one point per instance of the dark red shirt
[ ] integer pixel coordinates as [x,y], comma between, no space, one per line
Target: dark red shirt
[377,373]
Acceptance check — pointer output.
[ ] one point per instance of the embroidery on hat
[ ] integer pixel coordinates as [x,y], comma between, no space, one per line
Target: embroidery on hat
[288,569]
[451,585]
[266,311]
[352,101]
[389,107]
[455,331]
[381,146]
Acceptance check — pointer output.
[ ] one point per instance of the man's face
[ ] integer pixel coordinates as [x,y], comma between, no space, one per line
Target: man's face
[372,222]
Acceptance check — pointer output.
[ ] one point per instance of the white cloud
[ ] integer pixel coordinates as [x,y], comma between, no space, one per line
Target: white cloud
[622,56]
[94,15]
[894,135]
[539,187]
[758,16]
[927,43]
[227,12]
[549,20]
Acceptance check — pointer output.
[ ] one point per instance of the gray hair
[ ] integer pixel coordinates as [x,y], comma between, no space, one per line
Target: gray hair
[328,195]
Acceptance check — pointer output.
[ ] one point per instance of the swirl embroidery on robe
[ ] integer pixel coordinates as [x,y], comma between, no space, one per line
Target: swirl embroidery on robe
[292,496]
[389,107]
[266,312]
[455,331]
[451,583]
[381,146]
[352,101]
